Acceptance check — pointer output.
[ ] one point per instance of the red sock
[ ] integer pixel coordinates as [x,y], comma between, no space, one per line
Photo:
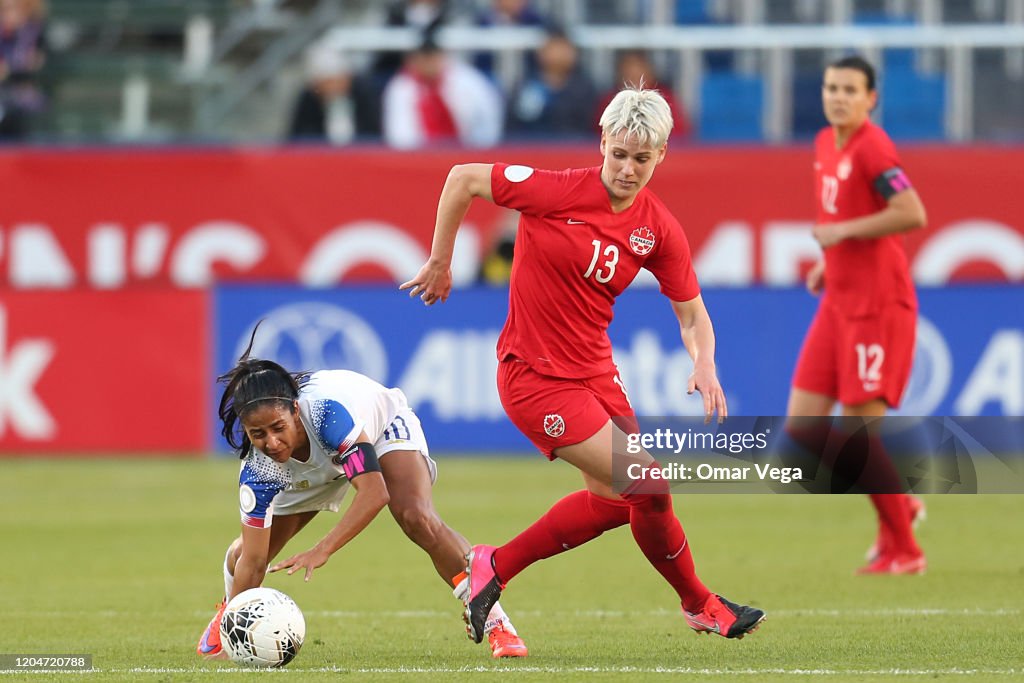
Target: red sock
[894,513]
[661,538]
[810,432]
[571,522]
[880,473]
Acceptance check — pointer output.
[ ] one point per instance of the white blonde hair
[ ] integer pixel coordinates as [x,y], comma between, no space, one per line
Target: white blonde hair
[641,113]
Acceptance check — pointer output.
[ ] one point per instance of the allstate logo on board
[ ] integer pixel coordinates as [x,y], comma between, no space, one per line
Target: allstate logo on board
[317,336]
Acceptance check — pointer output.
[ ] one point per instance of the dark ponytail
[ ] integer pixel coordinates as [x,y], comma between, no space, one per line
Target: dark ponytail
[251,383]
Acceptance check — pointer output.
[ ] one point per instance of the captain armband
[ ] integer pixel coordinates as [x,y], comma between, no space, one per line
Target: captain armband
[892,182]
[359,459]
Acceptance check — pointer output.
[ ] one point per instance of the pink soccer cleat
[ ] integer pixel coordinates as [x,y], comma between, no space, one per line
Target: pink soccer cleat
[896,564]
[209,643]
[724,618]
[484,590]
[504,643]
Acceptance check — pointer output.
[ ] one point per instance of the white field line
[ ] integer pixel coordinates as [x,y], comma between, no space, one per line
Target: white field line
[586,614]
[605,614]
[512,670]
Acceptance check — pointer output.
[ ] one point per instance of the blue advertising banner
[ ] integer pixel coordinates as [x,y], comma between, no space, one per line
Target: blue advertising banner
[969,359]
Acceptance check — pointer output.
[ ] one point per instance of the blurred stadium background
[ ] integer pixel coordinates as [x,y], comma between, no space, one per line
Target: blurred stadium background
[747,70]
[164,186]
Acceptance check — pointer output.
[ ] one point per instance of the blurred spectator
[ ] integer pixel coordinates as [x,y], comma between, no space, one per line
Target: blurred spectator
[507,13]
[559,99]
[634,67]
[437,99]
[421,14]
[21,58]
[424,15]
[336,105]
[510,13]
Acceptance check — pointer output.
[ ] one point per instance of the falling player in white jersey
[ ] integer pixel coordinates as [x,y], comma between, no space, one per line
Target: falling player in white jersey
[304,438]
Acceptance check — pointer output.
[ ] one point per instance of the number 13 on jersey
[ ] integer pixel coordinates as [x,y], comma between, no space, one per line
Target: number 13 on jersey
[606,271]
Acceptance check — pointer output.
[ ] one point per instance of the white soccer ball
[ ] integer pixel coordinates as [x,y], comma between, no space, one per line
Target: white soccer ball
[262,628]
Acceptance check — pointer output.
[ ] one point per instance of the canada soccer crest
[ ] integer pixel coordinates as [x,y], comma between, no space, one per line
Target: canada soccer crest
[641,241]
[554,425]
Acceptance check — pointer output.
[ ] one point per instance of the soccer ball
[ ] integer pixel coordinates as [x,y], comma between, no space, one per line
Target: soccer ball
[262,628]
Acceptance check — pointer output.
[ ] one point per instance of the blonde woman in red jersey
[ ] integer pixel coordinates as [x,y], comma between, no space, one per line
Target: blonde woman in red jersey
[583,236]
[860,346]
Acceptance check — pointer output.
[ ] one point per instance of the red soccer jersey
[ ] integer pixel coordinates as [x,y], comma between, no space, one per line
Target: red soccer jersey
[573,257]
[861,276]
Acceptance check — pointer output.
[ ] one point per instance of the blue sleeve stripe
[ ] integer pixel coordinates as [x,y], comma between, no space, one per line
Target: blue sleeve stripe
[333,423]
[264,494]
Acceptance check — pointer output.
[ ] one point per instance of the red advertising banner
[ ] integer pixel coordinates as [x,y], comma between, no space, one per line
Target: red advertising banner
[86,371]
[112,219]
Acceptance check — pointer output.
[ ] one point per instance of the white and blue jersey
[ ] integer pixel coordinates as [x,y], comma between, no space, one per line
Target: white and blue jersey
[335,407]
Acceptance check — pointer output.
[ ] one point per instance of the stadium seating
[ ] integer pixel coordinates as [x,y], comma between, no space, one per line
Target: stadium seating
[691,12]
[97,48]
[808,117]
[913,105]
[731,108]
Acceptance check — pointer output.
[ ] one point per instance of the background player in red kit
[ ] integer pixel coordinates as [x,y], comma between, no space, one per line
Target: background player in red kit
[583,236]
[859,348]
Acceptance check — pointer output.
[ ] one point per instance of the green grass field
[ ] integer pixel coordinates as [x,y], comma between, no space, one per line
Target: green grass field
[121,560]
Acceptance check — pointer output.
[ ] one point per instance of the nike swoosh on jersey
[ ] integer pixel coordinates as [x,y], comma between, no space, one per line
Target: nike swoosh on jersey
[572,222]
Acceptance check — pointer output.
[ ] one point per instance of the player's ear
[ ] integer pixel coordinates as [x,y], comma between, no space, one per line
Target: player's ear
[604,143]
[662,152]
[872,100]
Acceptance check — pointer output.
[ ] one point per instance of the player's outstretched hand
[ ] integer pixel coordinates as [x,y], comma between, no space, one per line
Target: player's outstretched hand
[432,284]
[706,382]
[309,560]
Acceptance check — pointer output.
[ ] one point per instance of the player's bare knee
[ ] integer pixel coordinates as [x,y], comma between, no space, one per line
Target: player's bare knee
[419,522]
[234,550]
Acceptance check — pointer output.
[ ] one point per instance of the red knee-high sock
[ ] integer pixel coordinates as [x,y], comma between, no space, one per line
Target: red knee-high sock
[880,472]
[893,508]
[661,538]
[572,521]
[894,513]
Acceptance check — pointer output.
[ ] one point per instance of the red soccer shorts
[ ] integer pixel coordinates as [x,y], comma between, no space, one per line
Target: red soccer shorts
[554,412]
[855,360]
